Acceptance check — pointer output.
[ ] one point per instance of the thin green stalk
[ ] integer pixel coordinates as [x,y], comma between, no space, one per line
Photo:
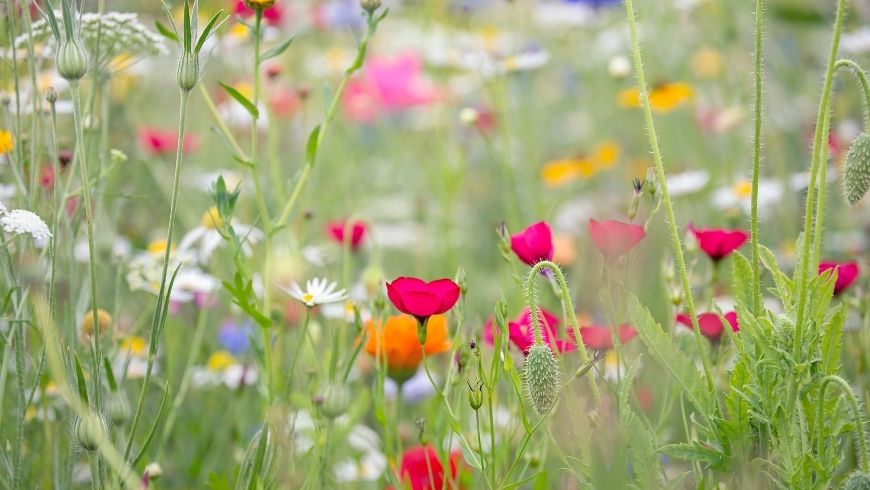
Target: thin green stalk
[221,125]
[156,330]
[815,163]
[865,85]
[756,162]
[298,352]
[92,257]
[662,181]
[568,305]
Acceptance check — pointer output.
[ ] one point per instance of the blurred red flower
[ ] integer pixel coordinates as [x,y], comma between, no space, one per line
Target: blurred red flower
[387,85]
[421,469]
[157,142]
[615,238]
[335,230]
[533,244]
[272,15]
[710,324]
[847,273]
[522,334]
[719,243]
[598,338]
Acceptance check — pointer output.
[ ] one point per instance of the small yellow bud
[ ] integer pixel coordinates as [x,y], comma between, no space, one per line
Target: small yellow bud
[104,320]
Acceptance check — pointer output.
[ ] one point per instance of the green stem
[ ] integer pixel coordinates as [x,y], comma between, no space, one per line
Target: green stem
[860,434]
[756,162]
[568,305]
[819,142]
[862,78]
[662,181]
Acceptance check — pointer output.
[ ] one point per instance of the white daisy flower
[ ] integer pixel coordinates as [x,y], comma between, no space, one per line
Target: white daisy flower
[317,291]
[739,195]
[688,182]
[203,240]
[20,221]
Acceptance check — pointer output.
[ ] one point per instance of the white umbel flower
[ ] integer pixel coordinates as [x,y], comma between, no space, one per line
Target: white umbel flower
[19,221]
[317,291]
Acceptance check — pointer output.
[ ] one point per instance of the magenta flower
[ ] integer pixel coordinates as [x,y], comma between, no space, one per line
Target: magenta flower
[710,324]
[335,230]
[719,243]
[533,244]
[598,338]
[847,273]
[156,141]
[615,238]
[387,85]
[422,299]
[522,334]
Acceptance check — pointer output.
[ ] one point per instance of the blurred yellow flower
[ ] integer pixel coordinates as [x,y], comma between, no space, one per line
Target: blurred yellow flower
[134,346]
[606,154]
[564,170]
[158,246]
[707,63]
[664,97]
[220,360]
[238,31]
[211,219]
[6,144]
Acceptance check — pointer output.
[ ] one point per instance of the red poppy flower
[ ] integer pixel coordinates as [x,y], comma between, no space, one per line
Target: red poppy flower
[719,243]
[522,334]
[598,338]
[155,141]
[533,244]
[421,469]
[422,299]
[847,273]
[357,230]
[615,238]
[710,324]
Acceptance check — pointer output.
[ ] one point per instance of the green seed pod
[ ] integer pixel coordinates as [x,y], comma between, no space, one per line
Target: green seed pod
[118,408]
[87,429]
[71,60]
[187,73]
[541,372]
[856,174]
[333,399]
[857,481]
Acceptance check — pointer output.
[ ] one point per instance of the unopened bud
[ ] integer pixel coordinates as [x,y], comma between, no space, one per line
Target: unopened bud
[51,95]
[461,280]
[154,471]
[468,116]
[475,395]
[541,373]
[71,60]
[87,430]
[333,399]
[619,67]
[187,73]
[259,4]
[370,5]
[857,481]
[104,321]
[856,172]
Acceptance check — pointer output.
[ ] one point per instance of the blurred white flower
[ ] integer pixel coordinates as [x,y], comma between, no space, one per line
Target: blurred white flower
[314,255]
[688,182]
[19,221]
[317,291]
[739,195]
[203,240]
[619,67]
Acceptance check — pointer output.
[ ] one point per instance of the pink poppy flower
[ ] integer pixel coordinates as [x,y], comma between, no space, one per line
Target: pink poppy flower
[533,244]
[335,230]
[422,299]
[158,142]
[387,85]
[710,324]
[615,238]
[719,243]
[847,273]
[598,338]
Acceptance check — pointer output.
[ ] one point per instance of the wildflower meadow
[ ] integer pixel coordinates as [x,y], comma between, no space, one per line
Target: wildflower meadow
[434,244]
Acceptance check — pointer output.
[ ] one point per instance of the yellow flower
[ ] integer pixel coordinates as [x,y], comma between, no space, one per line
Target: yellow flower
[6,143]
[664,97]
[220,360]
[707,63]
[743,189]
[134,346]
[239,31]
[211,219]
[157,247]
[606,154]
[558,172]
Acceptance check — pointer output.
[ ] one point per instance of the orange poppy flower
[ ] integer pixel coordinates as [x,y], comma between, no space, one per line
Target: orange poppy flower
[664,97]
[397,342]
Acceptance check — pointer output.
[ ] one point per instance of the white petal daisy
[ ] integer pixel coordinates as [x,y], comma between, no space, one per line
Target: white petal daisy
[24,221]
[317,291]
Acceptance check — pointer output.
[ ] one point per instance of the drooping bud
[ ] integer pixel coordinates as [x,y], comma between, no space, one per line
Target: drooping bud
[333,399]
[857,481]
[87,430]
[154,471]
[542,375]
[71,60]
[118,408]
[187,73]
[856,173]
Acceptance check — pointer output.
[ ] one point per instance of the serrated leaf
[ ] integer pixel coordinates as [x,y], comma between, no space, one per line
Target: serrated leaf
[743,283]
[241,99]
[693,452]
[277,50]
[644,457]
[832,341]
[784,285]
[663,350]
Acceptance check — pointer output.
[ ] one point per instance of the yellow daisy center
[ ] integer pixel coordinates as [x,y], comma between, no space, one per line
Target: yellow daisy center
[220,360]
[308,297]
[743,189]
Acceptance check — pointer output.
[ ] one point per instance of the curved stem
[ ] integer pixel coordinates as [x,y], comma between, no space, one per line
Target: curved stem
[862,78]
[756,163]
[568,304]
[860,435]
[666,198]
[820,145]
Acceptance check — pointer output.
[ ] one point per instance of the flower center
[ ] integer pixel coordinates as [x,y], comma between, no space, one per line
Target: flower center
[743,189]
[308,297]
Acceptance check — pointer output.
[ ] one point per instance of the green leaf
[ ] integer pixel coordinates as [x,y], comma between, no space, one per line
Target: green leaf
[277,50]
[742,277]
[207,31]
[80,380]
[470,455]
[241,99]
[663,350]
[644,457]
[188,35]
[694,452]
[832,340]
[784,285]
[311,146]
[110,375]
[165,31]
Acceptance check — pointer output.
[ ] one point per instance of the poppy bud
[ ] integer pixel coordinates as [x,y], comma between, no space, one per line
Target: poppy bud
[333,399]
[71,60]
[856,173]
[118,408]
[87,429]
[541,373]
[857,481]
[187,73]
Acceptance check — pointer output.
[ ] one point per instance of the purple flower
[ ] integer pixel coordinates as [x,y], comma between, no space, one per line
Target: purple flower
[235,337]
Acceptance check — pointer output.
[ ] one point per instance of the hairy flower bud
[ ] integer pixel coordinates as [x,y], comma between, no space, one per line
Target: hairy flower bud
[542,375]
[87,429]
[857,481]
[333,399]
[187,73]
[856,173]
[71,60]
